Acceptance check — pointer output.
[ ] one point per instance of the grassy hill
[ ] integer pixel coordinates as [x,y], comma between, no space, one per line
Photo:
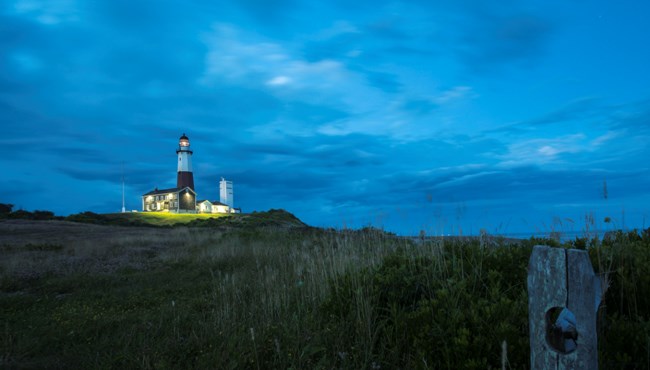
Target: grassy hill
[271,218]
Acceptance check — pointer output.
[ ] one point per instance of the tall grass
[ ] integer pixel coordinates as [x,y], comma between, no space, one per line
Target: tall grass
[175,297]
[297,298]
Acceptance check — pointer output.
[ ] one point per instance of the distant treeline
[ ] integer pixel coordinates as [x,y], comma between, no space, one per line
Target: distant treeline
[7,212]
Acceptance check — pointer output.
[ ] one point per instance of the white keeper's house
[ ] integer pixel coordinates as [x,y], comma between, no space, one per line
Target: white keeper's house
[182,198]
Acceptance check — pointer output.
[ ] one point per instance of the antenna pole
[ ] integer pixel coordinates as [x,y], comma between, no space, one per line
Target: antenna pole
[123,207]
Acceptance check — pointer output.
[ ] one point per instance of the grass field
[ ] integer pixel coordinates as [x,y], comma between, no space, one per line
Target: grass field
[165,218]
[103,297]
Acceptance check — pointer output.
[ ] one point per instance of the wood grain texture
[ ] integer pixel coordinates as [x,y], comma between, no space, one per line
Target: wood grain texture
[561,278]
[581,301]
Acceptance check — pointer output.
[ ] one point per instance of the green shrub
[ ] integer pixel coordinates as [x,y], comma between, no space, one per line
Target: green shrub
[624,341]
[21,215]
[88,217]
[43,215]
[451,310]
[5,209]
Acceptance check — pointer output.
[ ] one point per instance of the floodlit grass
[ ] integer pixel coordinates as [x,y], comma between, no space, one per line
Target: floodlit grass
[270,218]
[166,218]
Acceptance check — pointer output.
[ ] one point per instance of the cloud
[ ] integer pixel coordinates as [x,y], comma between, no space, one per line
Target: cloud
[278,81]
[634,117]
[387,82]
[492,35]
[580,110]
[47,12]
[338,29]
[583,133]
[270,13]
[525,182]
[607,137]
[256,63]
[235,57]
[543,151]
[454,94]
[113,175]
[495,39]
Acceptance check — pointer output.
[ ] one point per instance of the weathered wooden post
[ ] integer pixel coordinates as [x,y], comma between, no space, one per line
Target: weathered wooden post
[562,305]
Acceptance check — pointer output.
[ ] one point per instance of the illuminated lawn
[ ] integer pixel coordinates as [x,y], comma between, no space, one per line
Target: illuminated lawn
[166,218]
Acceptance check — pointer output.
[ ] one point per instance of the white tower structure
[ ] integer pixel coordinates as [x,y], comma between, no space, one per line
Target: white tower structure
[185,177]
[226,194]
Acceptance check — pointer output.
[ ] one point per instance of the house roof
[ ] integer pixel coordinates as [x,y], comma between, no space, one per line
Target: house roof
[167,191]
[213,202]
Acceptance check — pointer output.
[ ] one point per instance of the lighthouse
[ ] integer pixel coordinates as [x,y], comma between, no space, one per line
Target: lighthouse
[185,178]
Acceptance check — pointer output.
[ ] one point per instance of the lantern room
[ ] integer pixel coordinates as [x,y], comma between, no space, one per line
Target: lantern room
[184,143]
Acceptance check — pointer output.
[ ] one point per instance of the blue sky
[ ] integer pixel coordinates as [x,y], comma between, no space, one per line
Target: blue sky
[420,115]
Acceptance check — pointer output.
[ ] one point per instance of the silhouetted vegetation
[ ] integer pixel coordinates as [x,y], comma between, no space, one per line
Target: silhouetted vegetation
[624,337]
[7,213]
[5,209]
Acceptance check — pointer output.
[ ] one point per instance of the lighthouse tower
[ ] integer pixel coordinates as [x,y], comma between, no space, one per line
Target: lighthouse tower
[185,176]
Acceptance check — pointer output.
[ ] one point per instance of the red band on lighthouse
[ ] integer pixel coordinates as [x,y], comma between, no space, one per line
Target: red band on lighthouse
[185,179]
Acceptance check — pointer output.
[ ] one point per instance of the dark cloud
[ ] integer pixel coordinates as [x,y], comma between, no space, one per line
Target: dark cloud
[474,187]
[277,181]
[265,9]
[633,117]
[14,190]
[491,40]
[588,112]
[419,106]
[388,28]
[582,109]
[578,109]
[311,113]
[83,155]
[384,81]
[322,152]
[13,120]
[87,174]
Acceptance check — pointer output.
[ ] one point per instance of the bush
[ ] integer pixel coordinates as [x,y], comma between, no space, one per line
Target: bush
[623,337]
[43,215]
[21,215]
[5,209]
[88,217]
[26,215]
[448,311]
